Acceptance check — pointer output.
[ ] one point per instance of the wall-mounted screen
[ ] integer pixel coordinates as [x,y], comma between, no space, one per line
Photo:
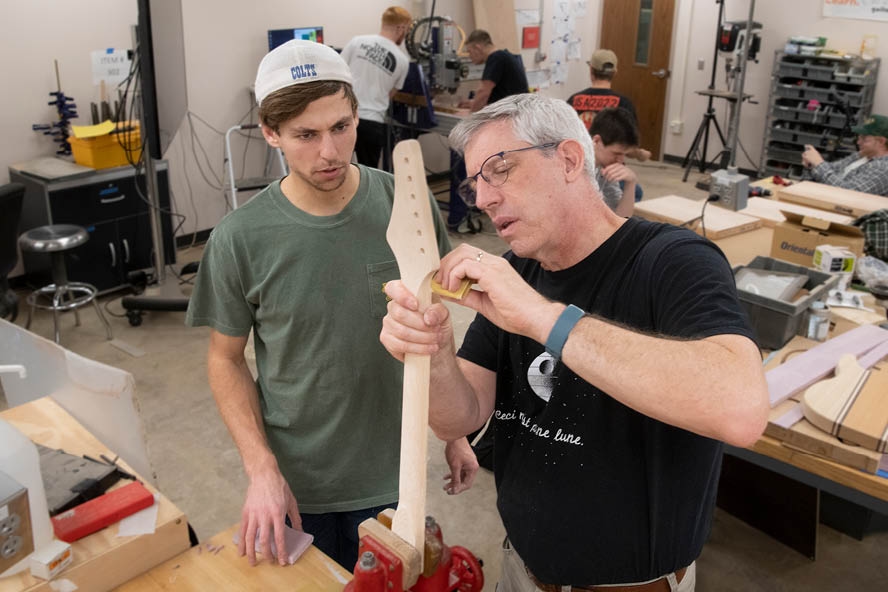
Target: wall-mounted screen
[280,36]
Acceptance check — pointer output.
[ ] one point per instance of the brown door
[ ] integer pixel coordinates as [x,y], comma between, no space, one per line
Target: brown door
[640,33]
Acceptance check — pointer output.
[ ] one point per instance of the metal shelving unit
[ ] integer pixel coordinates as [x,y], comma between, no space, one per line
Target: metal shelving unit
[805,106]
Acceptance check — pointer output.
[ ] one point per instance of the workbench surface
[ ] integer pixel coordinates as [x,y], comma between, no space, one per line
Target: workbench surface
[201,568]
[102,560]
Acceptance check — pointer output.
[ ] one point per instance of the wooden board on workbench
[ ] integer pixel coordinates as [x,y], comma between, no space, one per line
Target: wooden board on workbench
[102,560]
[215,565]
[804,435]
[832,199]
[673,209]
[768,211]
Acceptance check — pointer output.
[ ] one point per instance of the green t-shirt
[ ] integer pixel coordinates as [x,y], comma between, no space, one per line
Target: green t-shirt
[310,287]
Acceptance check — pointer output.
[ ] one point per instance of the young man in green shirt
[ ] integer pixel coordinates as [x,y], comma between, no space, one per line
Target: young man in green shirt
[302,265]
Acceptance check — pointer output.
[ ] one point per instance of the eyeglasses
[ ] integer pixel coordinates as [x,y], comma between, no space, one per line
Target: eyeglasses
[494,170]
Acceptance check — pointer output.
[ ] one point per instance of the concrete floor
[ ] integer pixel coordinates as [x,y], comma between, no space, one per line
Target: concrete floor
[198,467]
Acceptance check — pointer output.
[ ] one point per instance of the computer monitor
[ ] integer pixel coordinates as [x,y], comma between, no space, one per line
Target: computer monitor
[280,36]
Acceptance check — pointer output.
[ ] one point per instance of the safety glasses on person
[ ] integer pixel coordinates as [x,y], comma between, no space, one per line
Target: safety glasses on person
[495,171]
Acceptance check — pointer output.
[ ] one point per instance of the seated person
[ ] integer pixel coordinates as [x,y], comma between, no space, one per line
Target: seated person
[614,135]
[865,171]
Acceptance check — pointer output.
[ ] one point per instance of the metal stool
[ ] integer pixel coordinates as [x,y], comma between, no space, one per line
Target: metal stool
[64,295]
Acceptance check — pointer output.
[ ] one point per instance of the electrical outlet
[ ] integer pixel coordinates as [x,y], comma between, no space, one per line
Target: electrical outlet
[11,547]
[701,63]
[676,126]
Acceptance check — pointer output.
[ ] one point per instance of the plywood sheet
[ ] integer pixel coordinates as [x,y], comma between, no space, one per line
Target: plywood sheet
[497,17]
[719,222]
[832,199]
[768,211]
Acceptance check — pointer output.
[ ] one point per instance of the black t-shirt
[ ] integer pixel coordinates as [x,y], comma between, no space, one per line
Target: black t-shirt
[589,490]
[587,103]
[505,70]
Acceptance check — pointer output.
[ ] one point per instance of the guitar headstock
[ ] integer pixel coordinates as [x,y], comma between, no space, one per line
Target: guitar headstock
[411,230]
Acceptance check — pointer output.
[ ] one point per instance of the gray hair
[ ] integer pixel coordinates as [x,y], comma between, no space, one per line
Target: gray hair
[535,119]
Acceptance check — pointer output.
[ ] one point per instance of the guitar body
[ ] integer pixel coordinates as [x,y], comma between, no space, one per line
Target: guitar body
[853,406]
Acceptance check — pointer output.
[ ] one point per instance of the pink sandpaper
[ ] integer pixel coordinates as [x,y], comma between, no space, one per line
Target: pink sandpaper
[297,541]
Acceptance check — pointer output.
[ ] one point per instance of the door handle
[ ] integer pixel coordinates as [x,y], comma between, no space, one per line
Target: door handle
[126,252]
[661,73]
[113,255]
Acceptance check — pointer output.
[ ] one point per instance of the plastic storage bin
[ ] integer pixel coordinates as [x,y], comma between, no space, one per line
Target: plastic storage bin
[111,150]
[776,321]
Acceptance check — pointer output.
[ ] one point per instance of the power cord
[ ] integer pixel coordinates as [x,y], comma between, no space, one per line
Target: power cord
[690,223]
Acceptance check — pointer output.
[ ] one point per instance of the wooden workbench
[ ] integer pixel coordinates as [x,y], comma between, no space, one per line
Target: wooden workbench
[200,569]
[102,560]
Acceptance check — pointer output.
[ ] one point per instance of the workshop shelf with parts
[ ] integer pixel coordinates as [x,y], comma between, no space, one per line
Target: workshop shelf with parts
[814,100]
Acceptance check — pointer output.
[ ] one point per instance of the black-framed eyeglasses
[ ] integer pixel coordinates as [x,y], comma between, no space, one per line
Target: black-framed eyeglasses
[494,170]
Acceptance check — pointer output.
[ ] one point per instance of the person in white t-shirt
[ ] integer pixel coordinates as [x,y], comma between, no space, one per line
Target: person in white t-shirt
[379,68]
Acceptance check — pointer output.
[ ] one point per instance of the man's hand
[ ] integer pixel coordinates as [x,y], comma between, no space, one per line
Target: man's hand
[811,157]
[406,330]
[619,172]
[268,501]
[463,466]
[639,154]
[504,298]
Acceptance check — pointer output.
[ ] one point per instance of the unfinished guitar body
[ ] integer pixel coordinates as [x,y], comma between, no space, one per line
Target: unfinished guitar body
[853,406]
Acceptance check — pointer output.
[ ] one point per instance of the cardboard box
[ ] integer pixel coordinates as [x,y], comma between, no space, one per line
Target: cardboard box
[833,259]
[798,236]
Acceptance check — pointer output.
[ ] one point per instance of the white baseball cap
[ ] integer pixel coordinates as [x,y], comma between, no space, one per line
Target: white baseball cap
[296,62]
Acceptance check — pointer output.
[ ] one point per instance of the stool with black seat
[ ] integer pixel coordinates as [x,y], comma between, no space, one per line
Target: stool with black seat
[61,295]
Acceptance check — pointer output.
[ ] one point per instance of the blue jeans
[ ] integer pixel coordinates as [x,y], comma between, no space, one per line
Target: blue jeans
[336,533]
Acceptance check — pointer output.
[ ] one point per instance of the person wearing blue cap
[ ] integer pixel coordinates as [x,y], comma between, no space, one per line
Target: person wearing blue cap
[866,170]
[301,267]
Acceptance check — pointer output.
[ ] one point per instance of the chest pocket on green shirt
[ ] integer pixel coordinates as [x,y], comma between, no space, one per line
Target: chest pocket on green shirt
[377,275]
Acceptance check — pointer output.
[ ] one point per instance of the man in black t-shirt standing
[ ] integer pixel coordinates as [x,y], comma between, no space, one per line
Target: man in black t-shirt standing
[503,76]
[612,353]
[503,71]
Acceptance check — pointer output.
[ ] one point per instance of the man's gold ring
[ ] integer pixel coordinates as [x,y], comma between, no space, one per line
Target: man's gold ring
[478,256]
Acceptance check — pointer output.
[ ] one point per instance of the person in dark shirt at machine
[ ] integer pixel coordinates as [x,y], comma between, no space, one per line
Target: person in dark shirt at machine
[866,170]
[503,76]
[611,391]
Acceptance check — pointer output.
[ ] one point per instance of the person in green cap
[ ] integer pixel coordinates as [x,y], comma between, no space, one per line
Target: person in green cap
[865,171]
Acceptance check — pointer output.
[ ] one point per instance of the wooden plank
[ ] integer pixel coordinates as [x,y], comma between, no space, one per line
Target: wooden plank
[719,223]
[849,476]
[804,436]
[832,199]
[200,569]
[102,560]
[411,235]
[497,17]
[804,370]
[768,211]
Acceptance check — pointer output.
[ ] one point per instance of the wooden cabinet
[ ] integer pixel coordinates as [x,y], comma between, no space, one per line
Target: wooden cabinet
[112,205]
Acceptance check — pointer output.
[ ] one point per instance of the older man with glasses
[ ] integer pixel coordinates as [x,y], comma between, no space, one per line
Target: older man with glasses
[612,353]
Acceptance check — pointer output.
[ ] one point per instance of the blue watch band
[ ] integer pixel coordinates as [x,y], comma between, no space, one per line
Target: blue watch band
[569,317]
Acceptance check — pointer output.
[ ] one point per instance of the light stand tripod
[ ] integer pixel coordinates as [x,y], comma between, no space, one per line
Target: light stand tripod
[709,115]
[734,97]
